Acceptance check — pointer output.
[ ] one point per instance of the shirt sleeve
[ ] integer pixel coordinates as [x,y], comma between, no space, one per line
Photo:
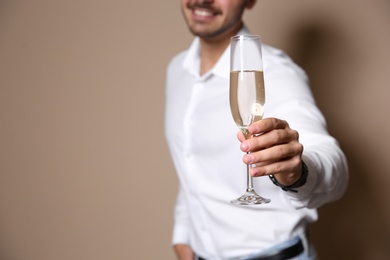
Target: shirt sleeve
[181,223]
[289,97]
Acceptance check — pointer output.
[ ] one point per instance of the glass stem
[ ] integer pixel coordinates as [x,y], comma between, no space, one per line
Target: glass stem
[249,179]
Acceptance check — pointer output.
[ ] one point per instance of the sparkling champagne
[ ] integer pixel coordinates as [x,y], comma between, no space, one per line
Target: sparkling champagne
[247,97]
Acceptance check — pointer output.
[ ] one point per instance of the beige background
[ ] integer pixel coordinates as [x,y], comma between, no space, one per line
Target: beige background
[84,168]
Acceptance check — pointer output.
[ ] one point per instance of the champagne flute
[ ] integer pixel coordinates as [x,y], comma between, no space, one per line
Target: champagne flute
[247,97]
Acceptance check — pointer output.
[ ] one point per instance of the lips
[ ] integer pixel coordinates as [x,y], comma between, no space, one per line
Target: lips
[203,10]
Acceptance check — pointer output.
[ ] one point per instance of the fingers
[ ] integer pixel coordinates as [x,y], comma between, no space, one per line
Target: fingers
[262,126]
[266,125]
[286,168]
[274,153]
[269,139]
[278,159]
[274,148]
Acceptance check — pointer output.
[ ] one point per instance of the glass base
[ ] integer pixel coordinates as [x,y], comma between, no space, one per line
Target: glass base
[250,198]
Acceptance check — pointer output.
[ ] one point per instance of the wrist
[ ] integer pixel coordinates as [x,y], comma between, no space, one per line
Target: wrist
[300,182]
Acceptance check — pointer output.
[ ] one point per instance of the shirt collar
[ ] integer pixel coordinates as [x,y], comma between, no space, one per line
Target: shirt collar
[191,62]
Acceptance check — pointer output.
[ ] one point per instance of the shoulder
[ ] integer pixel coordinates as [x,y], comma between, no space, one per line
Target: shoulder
[277,61]
[284,79]
[272,54]
[175,70]
[177,61]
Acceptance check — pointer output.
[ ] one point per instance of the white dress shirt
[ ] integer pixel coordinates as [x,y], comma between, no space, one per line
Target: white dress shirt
[202,139]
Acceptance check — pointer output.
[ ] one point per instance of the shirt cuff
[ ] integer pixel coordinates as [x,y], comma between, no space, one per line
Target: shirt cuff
[180,235]
[301,198]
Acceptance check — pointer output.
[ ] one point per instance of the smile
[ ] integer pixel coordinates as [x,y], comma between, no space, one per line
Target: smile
[203,12]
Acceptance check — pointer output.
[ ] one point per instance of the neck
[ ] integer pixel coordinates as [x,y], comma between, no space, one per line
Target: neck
[212,49]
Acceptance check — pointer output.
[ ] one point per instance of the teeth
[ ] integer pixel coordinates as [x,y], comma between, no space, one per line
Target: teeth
[203,12]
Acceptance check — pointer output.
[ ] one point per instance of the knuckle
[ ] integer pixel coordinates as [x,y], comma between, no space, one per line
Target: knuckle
[280,135]
[295,133]
[278,168]
[296,160]
[280,152]
[285,124]
[300,148]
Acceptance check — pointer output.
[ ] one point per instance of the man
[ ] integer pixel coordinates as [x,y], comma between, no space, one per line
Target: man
[308,167]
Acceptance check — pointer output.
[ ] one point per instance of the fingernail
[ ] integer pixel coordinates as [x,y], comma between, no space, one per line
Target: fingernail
[244,146]
[248,159]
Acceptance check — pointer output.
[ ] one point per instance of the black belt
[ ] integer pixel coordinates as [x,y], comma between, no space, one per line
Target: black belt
[282,254]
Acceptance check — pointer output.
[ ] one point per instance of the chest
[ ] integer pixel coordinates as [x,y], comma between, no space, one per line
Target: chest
[199,117]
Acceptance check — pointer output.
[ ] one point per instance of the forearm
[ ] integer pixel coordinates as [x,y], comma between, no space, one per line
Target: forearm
[183,252]
[327,177]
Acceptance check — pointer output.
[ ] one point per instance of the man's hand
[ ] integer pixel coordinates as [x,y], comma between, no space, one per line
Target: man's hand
[273,149]
[183,252]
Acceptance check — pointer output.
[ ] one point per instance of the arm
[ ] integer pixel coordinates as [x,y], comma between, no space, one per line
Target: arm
[295,131]
[183,252]
[181,233]
[276,150]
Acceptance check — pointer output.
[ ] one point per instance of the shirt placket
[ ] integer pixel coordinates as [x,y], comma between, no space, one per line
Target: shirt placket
[190,118]
[188,122]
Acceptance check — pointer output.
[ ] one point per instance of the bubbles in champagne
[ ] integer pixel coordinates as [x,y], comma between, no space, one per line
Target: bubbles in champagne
[247,96]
